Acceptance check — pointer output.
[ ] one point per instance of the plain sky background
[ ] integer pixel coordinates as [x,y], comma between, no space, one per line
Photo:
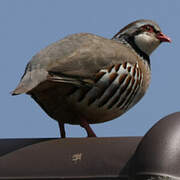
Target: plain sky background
[28,26]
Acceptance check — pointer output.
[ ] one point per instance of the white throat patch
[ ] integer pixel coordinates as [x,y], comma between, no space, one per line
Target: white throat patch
[146,42]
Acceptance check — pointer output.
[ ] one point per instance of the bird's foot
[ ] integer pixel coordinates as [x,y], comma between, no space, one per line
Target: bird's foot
[88,129]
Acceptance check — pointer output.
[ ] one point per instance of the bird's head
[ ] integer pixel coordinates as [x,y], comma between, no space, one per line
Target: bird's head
[145,35]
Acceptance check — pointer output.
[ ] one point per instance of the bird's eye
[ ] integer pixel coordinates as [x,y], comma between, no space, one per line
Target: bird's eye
[148,28]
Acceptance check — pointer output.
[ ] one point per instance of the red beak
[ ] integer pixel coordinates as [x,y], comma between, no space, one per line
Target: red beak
[163,38]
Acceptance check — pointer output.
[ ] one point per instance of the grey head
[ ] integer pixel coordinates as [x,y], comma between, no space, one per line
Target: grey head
[144,36]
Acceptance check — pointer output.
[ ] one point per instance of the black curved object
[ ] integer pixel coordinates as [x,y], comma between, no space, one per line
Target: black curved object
[158,154]
[154,156]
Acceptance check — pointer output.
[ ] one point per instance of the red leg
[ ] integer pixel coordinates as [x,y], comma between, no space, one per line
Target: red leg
[88,129]
[62,129]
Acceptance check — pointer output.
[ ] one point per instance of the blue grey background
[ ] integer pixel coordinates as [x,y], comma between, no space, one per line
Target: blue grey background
[28,26]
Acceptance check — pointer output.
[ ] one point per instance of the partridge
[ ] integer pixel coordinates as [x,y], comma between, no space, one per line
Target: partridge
[86,79]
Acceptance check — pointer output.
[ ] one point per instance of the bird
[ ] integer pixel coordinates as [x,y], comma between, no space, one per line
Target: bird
[86,79]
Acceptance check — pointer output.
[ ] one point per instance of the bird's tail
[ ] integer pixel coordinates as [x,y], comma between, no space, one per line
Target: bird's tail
[29,81]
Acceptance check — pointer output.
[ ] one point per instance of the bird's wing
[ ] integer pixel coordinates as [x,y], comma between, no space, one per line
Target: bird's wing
[82,65]
[76,60]
[74,80]
[121,81]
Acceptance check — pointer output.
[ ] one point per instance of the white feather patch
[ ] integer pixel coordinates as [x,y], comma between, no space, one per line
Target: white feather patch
[147,42]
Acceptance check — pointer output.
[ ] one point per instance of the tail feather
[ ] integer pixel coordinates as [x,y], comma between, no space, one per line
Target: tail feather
[19,90]
[30,80]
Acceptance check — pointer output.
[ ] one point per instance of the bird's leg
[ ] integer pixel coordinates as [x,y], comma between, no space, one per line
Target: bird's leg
[88,129]
[62,129]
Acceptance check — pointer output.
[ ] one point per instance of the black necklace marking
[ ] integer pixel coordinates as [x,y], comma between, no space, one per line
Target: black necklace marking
[130,40]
